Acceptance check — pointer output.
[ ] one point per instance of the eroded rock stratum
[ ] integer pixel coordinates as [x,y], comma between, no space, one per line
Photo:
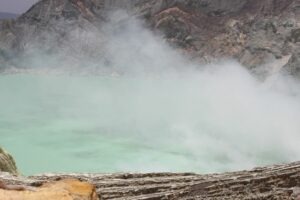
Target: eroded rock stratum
[273,182]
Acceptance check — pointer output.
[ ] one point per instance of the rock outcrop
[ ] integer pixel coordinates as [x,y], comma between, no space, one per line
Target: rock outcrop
[60,190]
[254,32]
[7,163]
[273,182]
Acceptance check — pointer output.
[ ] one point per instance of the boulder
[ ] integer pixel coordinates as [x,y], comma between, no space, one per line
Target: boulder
[7,163]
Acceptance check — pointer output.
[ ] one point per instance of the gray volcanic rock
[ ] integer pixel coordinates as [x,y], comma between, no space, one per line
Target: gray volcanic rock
[254,32]
[272,182]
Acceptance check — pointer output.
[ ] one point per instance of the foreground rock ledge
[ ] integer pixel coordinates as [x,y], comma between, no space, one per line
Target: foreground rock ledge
[61,190]
[273,182]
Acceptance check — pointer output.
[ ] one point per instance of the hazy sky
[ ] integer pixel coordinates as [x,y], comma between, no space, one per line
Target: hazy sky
[15,6]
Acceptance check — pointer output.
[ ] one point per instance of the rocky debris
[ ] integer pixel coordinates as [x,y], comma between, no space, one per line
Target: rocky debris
[254,32]
[62,190]
[7,163]
[272,182]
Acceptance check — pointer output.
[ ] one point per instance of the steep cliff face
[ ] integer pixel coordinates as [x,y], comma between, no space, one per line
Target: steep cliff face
[254,32]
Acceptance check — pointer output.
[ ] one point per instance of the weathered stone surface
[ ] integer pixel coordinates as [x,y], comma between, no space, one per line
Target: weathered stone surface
[61,190]
[293,66]
[7,163]
[254,32]
[273,182]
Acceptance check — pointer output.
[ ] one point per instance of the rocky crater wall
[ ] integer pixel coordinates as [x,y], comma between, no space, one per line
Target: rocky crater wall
[254,32]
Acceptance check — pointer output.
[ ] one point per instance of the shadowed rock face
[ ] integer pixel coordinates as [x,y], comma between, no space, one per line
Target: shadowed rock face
[7,163]
[254,32]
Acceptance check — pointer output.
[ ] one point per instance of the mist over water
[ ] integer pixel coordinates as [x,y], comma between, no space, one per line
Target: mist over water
[147,109]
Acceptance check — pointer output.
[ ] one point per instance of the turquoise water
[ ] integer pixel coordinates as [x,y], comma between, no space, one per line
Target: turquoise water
[106,124]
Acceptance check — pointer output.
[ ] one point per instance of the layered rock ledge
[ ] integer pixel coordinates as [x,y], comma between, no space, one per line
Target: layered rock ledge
[272,182]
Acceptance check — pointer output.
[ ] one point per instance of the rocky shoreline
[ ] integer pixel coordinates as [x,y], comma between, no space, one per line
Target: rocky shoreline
[272,182]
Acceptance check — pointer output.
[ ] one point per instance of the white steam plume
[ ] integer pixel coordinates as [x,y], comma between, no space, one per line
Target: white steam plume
[177,115]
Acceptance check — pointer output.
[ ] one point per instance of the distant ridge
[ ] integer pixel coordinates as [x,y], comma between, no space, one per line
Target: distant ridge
[5,15]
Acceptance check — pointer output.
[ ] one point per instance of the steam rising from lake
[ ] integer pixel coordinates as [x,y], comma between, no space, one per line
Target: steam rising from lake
[147,109]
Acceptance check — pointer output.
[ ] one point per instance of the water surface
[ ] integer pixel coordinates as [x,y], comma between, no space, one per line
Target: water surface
[105,124]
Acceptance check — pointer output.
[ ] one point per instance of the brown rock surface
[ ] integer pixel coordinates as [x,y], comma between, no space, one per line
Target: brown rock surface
[61,190]
[272,182]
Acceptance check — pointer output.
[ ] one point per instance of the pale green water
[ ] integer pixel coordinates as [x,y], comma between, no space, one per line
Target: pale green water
[101,124]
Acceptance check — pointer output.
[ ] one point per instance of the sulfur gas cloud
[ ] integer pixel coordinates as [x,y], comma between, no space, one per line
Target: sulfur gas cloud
[118,98]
